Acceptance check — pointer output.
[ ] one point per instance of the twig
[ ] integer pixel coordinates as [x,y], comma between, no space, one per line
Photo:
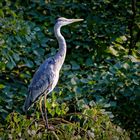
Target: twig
[55,135]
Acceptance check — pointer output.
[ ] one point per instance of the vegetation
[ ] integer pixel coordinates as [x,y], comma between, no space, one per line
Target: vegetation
[98,94]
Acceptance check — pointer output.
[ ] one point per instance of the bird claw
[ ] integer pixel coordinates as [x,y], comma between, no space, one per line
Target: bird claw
[51,128]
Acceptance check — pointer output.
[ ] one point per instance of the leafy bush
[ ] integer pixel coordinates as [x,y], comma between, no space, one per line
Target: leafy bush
[91,124]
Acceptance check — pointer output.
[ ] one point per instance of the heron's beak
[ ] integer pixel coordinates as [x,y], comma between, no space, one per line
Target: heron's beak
[75,20]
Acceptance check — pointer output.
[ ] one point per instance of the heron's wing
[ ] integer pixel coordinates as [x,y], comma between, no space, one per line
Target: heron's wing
[42,82]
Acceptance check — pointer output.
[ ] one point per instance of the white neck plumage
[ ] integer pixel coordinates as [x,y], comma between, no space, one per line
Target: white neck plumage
[60,56]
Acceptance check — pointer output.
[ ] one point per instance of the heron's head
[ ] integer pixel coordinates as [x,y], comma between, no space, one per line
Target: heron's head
[64,21]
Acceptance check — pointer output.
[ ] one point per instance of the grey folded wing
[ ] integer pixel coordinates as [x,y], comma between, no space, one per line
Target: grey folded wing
[41,83]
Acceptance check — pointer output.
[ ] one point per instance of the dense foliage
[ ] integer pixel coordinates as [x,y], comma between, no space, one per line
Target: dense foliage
[98,94]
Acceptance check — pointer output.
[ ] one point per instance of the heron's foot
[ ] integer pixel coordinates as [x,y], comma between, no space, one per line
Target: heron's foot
[50,127]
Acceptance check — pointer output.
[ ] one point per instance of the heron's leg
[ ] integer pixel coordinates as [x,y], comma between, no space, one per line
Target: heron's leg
[46,118]
[41,109]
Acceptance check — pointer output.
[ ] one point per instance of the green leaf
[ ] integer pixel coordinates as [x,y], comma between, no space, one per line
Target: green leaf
[16,57]
[37,29]
[10,65]
[75,66]
[44,42]
[29,63]
[1,13]
[77,90]
[2,86]
[89,62]
[73,81]
[39,51]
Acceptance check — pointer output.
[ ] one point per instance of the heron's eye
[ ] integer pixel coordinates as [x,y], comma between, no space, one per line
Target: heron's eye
[58,20]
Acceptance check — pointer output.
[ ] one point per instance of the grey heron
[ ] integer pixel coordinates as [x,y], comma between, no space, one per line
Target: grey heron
[47,75]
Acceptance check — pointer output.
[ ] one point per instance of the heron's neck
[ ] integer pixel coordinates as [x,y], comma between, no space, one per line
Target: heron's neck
[60,56]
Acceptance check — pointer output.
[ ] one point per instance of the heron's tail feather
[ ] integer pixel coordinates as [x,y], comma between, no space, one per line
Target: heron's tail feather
[28,103]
